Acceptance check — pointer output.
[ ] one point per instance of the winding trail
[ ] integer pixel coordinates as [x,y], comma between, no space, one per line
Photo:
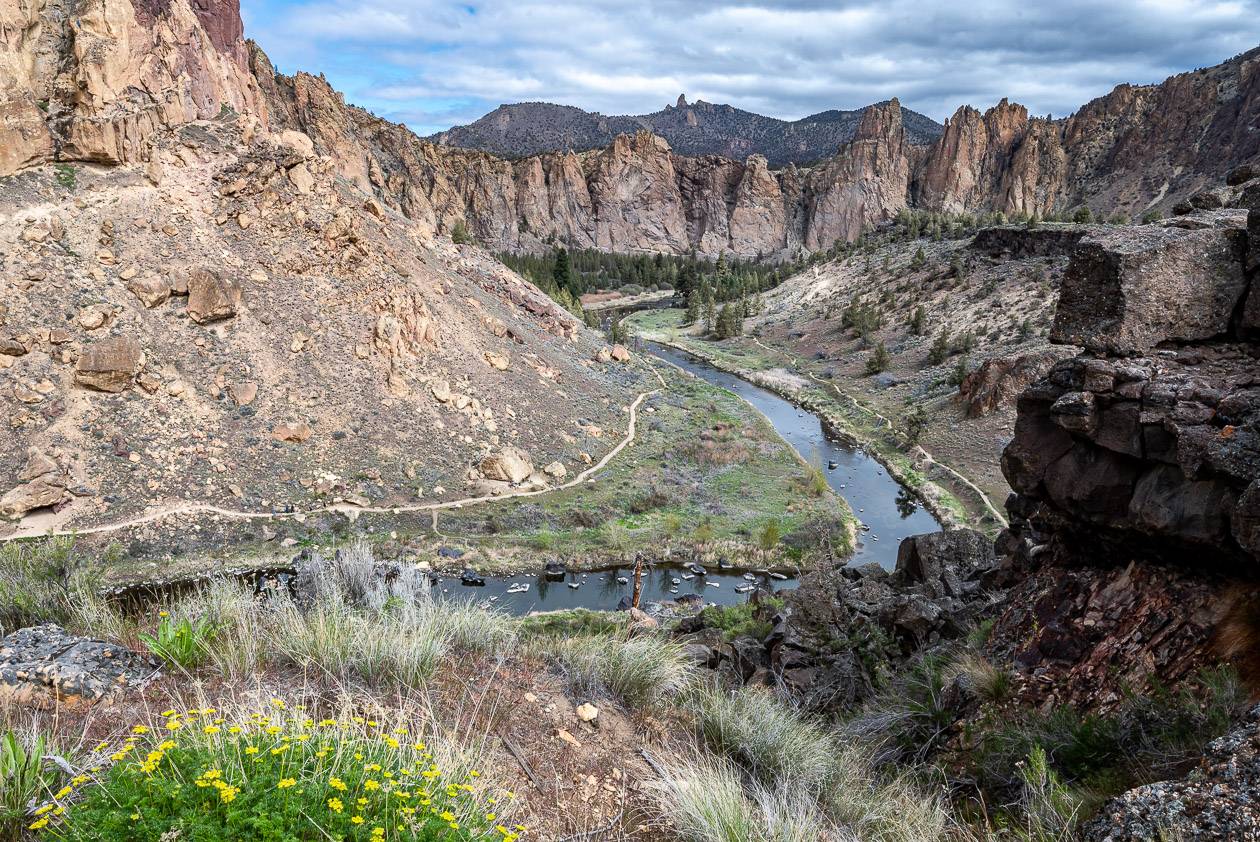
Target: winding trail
[184,509]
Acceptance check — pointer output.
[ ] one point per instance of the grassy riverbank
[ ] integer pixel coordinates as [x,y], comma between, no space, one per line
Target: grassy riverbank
[951,499]
[705,477]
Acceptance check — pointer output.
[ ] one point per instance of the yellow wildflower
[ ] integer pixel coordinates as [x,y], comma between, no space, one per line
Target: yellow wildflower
[356,819]
[335,805]
[285,783]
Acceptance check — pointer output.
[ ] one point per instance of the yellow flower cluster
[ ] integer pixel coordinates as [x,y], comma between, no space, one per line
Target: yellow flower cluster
[390,786]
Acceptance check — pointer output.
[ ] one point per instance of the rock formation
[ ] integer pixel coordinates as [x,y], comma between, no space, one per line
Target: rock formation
[78,88]
[1134,527]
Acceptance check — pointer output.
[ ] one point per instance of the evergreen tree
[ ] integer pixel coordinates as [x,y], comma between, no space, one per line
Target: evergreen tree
[918,322]
[562,274]
[729,321]
[693,313]
[879,360]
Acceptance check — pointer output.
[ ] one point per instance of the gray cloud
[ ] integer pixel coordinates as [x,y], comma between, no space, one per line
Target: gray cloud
[434,63]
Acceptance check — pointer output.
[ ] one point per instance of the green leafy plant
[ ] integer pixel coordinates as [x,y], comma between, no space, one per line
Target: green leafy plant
[276,775]
[66,175]
[25,779]
[183,642]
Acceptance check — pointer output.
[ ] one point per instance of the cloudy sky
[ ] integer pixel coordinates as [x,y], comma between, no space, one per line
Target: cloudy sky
[433,63]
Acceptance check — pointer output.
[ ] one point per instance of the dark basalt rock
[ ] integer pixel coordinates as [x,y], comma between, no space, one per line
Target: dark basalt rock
[1220,799]
[471,577]
[43,666]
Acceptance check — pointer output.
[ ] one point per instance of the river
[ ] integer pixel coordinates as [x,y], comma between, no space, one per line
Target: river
[887,510]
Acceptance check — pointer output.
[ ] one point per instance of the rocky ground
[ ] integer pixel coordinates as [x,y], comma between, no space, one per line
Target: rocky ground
[232,324]
[991,297]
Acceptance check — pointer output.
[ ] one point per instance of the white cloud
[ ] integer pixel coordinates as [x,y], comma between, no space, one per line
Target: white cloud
[434,61]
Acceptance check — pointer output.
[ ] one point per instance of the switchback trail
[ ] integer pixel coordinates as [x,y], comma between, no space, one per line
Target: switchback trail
[194,508]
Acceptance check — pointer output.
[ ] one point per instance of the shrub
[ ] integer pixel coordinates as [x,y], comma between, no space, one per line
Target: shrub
[459,233]
[637,672]
[940,349]
[276,775]
[180,642]
[739,620]
[770,534]
[879,360]
[40,582]
[915,422]
[25,780]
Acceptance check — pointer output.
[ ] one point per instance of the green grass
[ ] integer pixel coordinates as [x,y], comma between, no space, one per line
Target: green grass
[276,774]
[705,469]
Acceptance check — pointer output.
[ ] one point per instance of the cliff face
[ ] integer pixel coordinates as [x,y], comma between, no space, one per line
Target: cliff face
[91,81]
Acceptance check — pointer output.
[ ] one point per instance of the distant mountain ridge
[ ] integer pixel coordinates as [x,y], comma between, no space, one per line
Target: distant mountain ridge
[694,129]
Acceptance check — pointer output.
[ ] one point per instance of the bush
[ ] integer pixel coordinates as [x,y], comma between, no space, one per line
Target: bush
[26,779]
[40,582]
[879,360]
[459,233]
[770,534]
[739,620]
[274,775]
[637,672]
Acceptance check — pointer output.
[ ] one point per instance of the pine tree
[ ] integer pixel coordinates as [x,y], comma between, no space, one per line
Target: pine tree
[563,273]
[693,309]
[918,322]
[879,360]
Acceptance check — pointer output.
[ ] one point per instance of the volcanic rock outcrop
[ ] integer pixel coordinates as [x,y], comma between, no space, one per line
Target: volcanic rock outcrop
[1135,527]
[78,88]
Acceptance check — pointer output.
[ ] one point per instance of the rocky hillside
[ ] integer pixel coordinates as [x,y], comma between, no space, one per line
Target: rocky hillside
[80,93]
[694,129]
[219,316]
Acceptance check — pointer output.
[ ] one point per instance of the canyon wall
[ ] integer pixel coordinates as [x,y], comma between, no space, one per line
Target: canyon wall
[89,81]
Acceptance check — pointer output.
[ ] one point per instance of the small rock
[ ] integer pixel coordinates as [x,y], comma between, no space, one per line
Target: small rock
[587,712]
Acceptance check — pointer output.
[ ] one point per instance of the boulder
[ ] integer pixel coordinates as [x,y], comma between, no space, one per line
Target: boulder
[41,483]
[498,361]
[298,143]
[603,355]
[1128,289]
[511,464]
[150,289]
[942,560]
[556,470]
[999,380]
[211,297]
[296,432]
[110,364]
[620,354]
[45,666]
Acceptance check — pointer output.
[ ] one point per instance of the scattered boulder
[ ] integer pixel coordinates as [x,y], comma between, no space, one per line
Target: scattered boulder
[110,364]
[556,470]
[150,289]
[620,354]
[42,482]
[587,712]
[45,666]
[297,432]
[511,464]
[211,297]
[243,394]
[498,361]
[603,355]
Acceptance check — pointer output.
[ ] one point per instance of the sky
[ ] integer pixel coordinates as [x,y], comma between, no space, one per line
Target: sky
[432,64]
